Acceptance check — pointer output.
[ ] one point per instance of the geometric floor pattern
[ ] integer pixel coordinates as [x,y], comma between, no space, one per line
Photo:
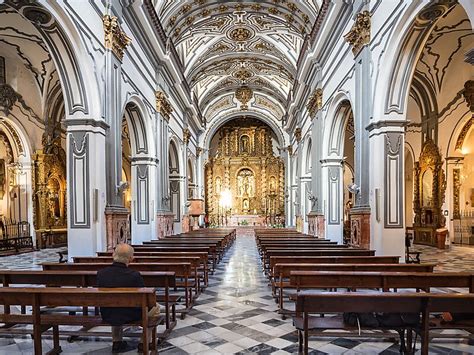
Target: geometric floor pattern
[236,314]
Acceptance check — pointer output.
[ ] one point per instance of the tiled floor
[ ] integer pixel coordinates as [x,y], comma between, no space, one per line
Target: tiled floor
[236,314]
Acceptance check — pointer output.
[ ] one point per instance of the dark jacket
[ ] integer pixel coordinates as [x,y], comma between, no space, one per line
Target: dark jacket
[119,275]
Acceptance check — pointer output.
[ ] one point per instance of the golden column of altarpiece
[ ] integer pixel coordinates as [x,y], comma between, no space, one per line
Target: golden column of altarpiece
[245,165]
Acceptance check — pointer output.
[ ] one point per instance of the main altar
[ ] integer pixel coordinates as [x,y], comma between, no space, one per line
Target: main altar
[244,179]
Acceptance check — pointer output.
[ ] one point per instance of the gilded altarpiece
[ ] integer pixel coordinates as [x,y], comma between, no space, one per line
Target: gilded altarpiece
[49,183]
[246,166]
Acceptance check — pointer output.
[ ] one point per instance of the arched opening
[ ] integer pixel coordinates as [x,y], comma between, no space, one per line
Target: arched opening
[436,112]
[175,185]
[338,171]
[36,99]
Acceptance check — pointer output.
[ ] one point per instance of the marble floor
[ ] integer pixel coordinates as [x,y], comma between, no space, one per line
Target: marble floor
[236,313]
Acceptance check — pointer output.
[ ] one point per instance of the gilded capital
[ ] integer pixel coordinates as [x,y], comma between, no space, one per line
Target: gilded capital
[199,151]
[315,102]
[163,106]
[359,35]
[186,135]
[298,134]
[469,94]
[115,39]
[290,150]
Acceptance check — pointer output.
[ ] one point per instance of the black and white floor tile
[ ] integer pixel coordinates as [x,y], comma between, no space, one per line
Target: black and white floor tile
[236,313]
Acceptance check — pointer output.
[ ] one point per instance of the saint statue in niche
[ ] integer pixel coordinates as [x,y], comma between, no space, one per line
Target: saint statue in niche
[245,205]
[272,184]
[244,144]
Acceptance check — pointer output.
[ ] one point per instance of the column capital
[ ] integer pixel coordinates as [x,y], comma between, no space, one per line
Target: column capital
[359,35]
[332,162]
[385,126]
[315,102]
[163,106]
[115,39]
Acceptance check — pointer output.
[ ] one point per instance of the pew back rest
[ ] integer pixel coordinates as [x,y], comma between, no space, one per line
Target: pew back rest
[284,270]
[95,297]
[384,280]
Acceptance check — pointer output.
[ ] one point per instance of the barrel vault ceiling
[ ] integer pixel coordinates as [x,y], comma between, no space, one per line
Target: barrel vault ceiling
[239,55]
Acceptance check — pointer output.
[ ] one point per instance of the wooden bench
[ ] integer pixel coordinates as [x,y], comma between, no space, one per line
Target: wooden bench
[81,297]
[313,252]
[308,303]
[211,250]
[181,270]
[147,257]
[331,260]
[161,280]
[195,262]
[307,276]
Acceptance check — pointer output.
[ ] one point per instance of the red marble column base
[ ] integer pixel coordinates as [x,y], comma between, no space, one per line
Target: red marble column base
[186,225]
[316,225]
[164,224]
[360,228]
[117,220]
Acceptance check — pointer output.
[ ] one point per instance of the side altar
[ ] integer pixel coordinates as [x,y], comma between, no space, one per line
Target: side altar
[244,178]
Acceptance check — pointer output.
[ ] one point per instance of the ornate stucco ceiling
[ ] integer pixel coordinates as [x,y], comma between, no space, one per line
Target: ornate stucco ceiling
[227,45]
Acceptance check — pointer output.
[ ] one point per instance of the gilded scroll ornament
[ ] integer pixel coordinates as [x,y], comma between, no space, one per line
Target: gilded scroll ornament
[359,35]
[298,134]
[315,102]
[163,106]
[115,38]
[469,94]
[456,193]
[462,135]
[244,95]
[186,135]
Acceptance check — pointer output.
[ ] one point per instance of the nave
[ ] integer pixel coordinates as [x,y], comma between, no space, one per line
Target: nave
[237,314]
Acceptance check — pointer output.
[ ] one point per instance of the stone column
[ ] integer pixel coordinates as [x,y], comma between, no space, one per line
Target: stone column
[117,216]
[86,181]
[332,175]
[164,216]
[359,38]
[387,179]
[316,219]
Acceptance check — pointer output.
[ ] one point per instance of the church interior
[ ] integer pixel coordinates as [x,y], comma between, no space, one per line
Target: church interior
[295,177]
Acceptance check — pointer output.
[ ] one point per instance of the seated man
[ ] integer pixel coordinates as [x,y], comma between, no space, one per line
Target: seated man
[119,275]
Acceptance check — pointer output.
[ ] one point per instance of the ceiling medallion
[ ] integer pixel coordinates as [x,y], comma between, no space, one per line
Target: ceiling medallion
[240,34]
[243,74]
[244,95]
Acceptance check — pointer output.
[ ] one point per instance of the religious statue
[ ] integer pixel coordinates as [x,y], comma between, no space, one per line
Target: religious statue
[245,205]
[272,184]
[245,183]
[244,144]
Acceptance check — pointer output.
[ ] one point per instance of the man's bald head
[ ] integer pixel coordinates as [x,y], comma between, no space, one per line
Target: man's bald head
[123,253]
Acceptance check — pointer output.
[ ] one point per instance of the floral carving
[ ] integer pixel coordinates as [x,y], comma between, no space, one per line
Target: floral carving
[359,35]
[115,38]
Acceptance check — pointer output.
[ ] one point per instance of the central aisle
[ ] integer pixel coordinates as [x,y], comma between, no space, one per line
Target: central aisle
[236,314]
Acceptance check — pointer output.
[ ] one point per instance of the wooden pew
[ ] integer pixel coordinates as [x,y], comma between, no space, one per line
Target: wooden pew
[154,257]
[181,270]
[211,250]
[195,262]
[300,276]
[331,260]
[38,297]
[158,279]
[308,303]
[313,252]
